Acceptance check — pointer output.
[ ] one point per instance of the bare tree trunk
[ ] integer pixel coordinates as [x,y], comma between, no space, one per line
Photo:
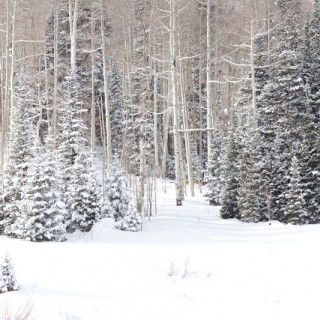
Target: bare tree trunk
[55,75]
[73,19]
[186,133]
[173,65]
[166,118]
[209,74]
[155,124]
[93,97]
[105,86]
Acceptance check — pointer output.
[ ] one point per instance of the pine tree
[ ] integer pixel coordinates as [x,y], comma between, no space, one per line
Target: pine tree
[83,195]
[230,207]
[282,105]
[42,216]
[19,151]
[216,169]
[312,60]
[8,280]
[295,209]
[117,195]
[131,220]
[117,112]
[252,206]
[72,140]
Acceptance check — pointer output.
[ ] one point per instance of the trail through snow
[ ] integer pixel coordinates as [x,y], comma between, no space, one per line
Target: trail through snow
[186,263]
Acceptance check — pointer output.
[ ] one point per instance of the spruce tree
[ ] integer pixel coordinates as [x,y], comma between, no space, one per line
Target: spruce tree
[8,280]
[216,170]
[282,104]
[83,195]
[19,150]
[251,200]
[312,60]
[72,140]
[42,216]
[117,195]
[131,220]
[117,111]
[295,211]
[230,207]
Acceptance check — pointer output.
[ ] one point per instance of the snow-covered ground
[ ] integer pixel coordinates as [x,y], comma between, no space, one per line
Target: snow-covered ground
[186,263]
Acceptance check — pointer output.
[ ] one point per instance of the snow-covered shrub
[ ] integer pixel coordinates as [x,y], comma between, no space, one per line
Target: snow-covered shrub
[131,220]
[42,216]
[8,281]
[119,199]
[83,198]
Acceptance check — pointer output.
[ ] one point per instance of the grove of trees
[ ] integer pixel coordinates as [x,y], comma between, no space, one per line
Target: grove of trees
[221,91]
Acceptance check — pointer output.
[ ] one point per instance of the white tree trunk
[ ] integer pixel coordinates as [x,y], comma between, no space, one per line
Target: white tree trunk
[186,133]
[106,86]
[209,74]
[73,19]
[93,98]
[176,118]
[55,75]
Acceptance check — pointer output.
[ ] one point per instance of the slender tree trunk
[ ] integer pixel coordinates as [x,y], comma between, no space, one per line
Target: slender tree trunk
[55,75]
[155,124]
[106,86]
[209,75]
[186,133]
[93,96]
[73,19]
[176,118]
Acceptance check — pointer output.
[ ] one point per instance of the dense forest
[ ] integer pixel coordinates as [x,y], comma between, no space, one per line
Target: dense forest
[217,92]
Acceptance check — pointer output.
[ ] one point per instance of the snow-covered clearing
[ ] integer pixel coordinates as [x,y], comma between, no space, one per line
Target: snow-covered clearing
[187,263]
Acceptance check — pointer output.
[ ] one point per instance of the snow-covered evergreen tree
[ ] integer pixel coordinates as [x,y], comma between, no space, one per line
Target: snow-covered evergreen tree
[131,220]
[119,197]
[72,140]
[216,170]
[251,199]
[8,280]
[117,111]
[19,150]
[312,60]
[282,104]
[83,195]
[42,210]
[230,207]
[295,210]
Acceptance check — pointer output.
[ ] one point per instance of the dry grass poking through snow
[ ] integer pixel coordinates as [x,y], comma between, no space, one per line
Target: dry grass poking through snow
[23,312]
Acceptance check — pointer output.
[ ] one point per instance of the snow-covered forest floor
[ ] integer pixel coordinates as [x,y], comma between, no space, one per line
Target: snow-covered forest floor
[187,263]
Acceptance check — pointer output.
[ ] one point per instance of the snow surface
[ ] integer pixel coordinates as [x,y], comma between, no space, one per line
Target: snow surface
[186,263]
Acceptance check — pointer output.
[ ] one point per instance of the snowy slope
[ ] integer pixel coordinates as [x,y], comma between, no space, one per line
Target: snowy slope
[187,263]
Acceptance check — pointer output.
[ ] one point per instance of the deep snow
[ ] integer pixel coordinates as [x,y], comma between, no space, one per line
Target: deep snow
[186,263]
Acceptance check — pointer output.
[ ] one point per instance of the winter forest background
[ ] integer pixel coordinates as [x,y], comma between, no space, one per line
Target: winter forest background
[217,92]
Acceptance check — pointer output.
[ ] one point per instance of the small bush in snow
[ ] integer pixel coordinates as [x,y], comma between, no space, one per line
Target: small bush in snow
[131,220]
[119,199]
[8,281]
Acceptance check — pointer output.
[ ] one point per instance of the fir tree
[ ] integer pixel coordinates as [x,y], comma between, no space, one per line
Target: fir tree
[8,280]
[117,195]
[72,140]
[312,60]
[42,216]
[216,169]
[295,209]
[230,207]
[19,151]
[282,105]
[117,112]
[83,195]
[251,198]
[131,220]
